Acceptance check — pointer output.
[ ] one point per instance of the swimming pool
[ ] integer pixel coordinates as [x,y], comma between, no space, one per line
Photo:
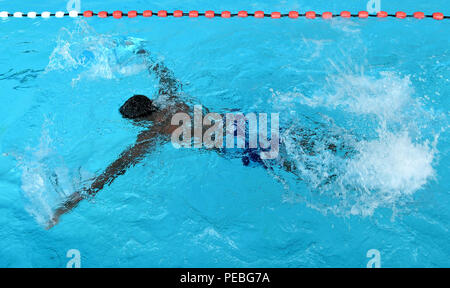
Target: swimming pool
[375,88]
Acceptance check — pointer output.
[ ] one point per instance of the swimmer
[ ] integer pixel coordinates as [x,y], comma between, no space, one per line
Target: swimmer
[142,111]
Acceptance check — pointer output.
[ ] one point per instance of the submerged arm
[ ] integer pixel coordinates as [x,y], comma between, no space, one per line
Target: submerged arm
[168,84]
[130,157]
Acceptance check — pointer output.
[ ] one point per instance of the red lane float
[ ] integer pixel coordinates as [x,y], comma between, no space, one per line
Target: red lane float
[310,15]
[147,13]
[226,14]
[88,13]
[275,15]
[193,13]
[162,13]
[102,14]
[346,14]
[293,14]
[382,14]
[259,14]
[132,14]
[438,16]
[327,15]
[177,13]
[419,15]
[400,15]
[242,14]
[117,14]
[363,14]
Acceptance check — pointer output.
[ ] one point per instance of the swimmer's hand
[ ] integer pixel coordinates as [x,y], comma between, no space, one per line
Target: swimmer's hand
[51,223]
[71,202]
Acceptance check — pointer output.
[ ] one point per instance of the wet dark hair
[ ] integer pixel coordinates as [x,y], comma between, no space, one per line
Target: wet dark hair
[137,107]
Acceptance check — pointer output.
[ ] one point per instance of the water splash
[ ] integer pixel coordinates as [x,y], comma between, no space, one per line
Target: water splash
[91,55]
[46,180]
[386,171]
[355,172]
[385,97]
[83,55]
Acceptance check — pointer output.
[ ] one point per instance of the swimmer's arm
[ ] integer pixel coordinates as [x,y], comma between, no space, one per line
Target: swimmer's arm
[168,84]
[146,140]
[128,158]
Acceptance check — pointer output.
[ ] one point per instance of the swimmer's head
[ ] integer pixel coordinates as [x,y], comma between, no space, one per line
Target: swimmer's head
[138,106]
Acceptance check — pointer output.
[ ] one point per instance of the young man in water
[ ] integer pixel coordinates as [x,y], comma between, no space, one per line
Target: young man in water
[143,111]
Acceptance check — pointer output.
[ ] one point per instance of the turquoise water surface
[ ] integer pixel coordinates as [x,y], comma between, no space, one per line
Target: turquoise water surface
[377,89]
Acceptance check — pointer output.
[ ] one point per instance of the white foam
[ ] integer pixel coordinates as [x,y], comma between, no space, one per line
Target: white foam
[381,170]
[386,170]
[46,180]
[384,97]
[96,56]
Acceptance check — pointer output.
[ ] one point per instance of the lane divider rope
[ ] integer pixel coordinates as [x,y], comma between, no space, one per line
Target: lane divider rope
[225,14]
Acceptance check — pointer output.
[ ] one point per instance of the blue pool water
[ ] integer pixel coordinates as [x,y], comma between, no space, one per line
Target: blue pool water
[377,89]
